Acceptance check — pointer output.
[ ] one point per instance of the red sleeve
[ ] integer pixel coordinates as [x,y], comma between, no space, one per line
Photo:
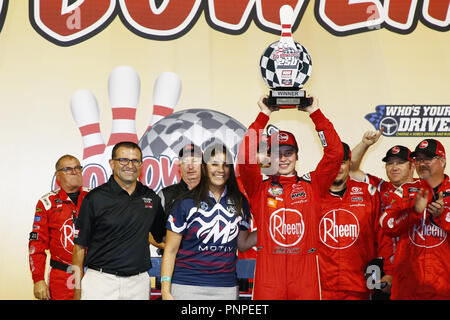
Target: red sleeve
[39,242]
[331,161]
[247,167]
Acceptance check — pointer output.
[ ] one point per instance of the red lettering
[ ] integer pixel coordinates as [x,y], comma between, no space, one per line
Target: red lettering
[170,171]
[341,16]
[66,24]
[94,175]
[437,12]
[151,174]
[400,13]
[168,20]
[235,19]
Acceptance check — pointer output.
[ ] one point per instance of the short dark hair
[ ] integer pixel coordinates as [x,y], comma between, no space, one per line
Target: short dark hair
[125,144]
[66,156]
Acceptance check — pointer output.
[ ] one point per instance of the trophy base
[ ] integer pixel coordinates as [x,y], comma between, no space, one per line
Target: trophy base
[287,99]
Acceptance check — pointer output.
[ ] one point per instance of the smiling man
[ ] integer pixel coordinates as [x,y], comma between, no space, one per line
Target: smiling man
[419,215]
[114,224]
[286,207]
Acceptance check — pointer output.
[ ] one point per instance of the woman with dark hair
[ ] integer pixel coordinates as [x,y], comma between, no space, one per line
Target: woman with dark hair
[204,231]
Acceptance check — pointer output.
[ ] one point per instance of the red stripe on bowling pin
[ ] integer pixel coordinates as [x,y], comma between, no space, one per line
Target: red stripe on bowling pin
[166,93]
[286,17]
[124,89]
[84,107]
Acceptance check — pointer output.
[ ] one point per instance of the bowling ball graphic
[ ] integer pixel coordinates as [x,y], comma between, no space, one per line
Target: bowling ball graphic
[277,57]
[203,127]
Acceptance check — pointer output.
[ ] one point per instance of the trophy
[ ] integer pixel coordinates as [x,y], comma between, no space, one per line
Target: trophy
[286,66]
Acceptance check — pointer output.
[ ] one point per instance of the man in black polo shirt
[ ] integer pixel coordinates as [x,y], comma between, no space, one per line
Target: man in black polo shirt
[113,225]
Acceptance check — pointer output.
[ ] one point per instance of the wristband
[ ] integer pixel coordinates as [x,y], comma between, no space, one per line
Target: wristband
[166,278]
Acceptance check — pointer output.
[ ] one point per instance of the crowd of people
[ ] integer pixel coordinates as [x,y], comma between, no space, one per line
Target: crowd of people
[337,232]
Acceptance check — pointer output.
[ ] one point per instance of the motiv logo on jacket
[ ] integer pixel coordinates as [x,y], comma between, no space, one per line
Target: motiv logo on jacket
[286,227]
[339,229]
[426,235]
[216,233]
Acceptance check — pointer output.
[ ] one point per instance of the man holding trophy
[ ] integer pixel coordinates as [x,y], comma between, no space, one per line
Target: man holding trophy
[286,207]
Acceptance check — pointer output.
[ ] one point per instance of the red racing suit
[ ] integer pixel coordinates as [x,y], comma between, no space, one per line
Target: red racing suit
[53,230]
[350,237]
[286,211]
[422,259]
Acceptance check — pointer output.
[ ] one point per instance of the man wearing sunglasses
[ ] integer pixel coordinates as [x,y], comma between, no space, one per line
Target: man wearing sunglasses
[419,214]
[114,225]
[53,230]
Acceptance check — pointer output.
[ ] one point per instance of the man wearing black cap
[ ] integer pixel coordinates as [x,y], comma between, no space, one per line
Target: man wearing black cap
[286,207]
[190,161]
[350,236]
[399,170]
[399,165]
[190,164]
[419,215]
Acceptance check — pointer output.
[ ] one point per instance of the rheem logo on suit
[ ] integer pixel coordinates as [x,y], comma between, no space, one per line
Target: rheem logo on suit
[339,229]
[286,227]
[426,235]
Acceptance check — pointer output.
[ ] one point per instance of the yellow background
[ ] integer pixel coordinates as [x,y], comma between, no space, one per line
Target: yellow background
[351,75]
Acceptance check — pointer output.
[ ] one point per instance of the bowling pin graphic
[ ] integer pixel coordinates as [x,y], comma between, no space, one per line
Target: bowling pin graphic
[85,112]
[286,17]
[166,93]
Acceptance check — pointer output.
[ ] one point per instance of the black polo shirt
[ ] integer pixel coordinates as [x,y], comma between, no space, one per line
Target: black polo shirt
[114,227]
[172,193]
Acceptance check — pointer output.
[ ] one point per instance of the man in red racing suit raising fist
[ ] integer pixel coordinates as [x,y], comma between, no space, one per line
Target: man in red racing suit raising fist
[286,208]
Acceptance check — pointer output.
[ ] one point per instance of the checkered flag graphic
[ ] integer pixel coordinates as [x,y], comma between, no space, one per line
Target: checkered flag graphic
[267,66]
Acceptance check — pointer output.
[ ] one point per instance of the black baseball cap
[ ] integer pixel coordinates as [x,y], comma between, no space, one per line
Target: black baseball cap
[190,149]
[347,152]
[398,151]
[429,147]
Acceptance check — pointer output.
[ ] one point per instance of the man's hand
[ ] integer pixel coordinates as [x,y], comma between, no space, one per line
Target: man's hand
[421,201]
[313,107]
[41,290]
[263,107]
[371,137]
[436,207]
[76,294]
[388,280]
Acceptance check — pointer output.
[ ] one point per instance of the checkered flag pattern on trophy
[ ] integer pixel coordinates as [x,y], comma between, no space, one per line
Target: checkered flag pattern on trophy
[285,67]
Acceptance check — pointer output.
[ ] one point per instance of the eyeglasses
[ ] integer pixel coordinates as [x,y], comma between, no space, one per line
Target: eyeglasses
[126,161]
[425,160]
[77,169]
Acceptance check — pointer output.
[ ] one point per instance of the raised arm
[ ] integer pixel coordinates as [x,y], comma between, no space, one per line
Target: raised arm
[369,138]
[247,165]
[333,152]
